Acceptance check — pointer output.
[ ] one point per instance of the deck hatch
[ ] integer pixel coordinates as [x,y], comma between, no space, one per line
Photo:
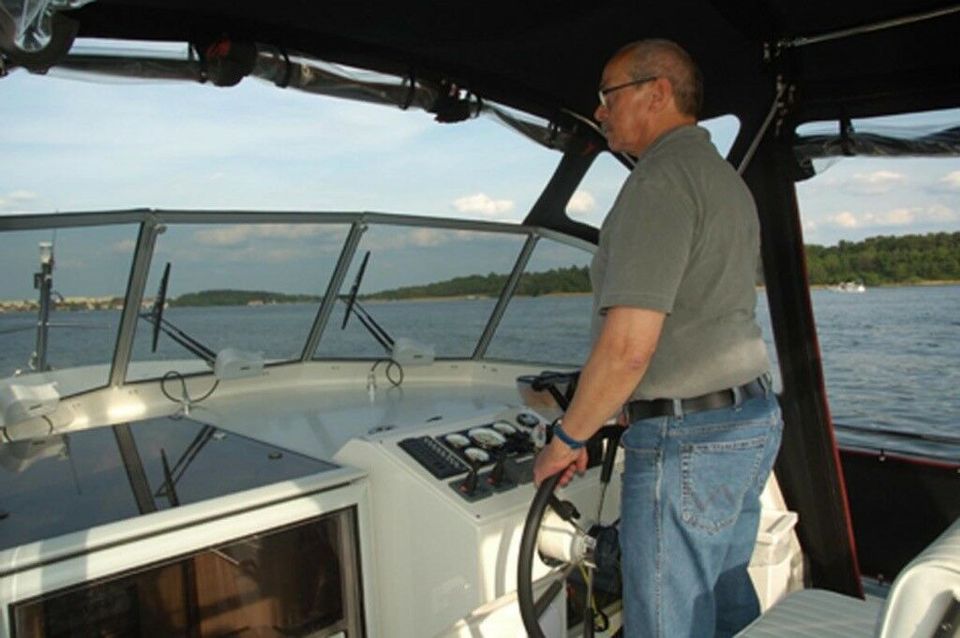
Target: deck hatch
[66,483]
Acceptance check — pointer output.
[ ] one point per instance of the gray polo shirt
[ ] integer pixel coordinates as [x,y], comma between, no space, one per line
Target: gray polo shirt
[683,238]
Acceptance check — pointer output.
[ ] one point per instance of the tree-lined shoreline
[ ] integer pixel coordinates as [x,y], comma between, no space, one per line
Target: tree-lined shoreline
[877,261]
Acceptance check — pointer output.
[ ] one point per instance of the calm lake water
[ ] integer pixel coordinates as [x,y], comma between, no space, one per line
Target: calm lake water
[891,355]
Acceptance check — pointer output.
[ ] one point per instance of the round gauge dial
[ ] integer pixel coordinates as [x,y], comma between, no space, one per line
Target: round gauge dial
[476,455]
[457,440]
[487,437]
[504,428]
[528,420]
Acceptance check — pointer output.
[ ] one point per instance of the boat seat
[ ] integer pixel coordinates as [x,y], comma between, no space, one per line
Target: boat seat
[925,591]
[817,613]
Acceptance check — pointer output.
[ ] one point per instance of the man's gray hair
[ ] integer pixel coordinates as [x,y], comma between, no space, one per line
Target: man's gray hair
[667,59]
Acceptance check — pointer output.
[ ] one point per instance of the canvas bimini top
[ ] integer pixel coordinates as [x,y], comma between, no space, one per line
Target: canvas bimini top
[855,59]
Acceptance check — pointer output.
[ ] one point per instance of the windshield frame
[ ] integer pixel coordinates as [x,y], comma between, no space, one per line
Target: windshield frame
[153,222]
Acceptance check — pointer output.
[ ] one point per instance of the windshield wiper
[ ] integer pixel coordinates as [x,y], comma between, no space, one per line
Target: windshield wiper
[353,306]
[155,317]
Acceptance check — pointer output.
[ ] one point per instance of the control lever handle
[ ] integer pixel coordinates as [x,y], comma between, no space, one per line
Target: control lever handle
[469,485]
[498,473]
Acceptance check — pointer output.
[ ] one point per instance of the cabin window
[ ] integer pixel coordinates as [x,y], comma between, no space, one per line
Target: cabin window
[598,190]
[87,270]
[301,580]
[436,286]
[548,319]
[253,287]
[882,255]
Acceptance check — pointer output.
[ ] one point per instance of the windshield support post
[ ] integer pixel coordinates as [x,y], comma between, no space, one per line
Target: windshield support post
[150,229]
[505,295]
[333,287]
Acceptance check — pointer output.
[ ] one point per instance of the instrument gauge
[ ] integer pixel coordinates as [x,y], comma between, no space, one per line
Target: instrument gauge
[527,420]
[487,437]
[457,440]
[504,428]
[476,455]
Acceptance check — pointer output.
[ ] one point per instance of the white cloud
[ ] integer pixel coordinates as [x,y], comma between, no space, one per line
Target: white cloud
[874,183]
[12,201]
[941,213]
[123,247]
[21,196]
[581,202]
[846,219]
[238,234]
[420,237]
[950,182]
[483,204]
[893,218]
[226,236]
[426,237]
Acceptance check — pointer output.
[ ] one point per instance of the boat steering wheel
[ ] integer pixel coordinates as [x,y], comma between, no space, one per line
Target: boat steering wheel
[565,546]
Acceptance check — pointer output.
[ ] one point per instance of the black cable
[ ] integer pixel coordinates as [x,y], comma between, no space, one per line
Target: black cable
[390,364]
[170,375]
[186,398]
[216,383]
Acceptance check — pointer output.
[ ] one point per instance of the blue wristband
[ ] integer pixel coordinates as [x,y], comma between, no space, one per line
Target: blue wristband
[572,443]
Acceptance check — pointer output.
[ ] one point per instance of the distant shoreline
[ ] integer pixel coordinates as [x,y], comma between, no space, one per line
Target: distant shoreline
[905,284]
[25,306]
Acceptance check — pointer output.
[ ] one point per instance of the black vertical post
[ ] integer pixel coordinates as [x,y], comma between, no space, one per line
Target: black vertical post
[808,467]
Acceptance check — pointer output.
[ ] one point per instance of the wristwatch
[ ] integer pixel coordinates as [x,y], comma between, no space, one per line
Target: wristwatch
[572,443]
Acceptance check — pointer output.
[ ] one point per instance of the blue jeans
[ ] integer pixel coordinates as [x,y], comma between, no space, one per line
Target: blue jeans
[690,509]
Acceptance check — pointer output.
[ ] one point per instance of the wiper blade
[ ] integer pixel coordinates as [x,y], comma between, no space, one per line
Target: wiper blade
[195,347]
[155,317]
[353,306]
[156,313]
[354,289]
[374,328]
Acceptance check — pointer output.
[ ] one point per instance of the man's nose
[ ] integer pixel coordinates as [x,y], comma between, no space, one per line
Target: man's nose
[600,114]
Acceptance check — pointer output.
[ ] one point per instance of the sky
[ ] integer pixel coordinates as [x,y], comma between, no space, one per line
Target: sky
[72,145]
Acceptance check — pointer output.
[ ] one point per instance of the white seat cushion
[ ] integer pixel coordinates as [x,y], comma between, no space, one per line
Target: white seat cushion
[924,589]
[817,613]
[918,598]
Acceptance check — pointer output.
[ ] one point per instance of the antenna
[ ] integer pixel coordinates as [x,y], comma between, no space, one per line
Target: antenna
[43,281]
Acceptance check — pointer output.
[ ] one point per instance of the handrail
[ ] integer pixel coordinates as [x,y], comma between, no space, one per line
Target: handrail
[43,221]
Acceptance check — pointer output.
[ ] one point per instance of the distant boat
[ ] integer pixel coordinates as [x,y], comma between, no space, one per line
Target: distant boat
[850,286]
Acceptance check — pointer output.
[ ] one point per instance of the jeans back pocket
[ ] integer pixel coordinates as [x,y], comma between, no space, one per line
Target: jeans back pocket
[716,476]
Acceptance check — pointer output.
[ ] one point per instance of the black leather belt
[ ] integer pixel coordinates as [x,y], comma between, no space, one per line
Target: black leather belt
[636,410]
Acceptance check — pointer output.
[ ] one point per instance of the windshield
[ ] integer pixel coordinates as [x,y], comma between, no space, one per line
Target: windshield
[436,286]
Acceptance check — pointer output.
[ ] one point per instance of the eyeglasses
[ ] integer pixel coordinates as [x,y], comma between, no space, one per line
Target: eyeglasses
[603,93]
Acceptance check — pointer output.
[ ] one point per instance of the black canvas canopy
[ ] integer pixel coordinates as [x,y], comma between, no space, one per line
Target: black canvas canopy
[836,60]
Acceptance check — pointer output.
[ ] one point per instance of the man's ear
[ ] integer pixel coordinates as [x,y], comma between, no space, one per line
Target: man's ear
[661,94]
